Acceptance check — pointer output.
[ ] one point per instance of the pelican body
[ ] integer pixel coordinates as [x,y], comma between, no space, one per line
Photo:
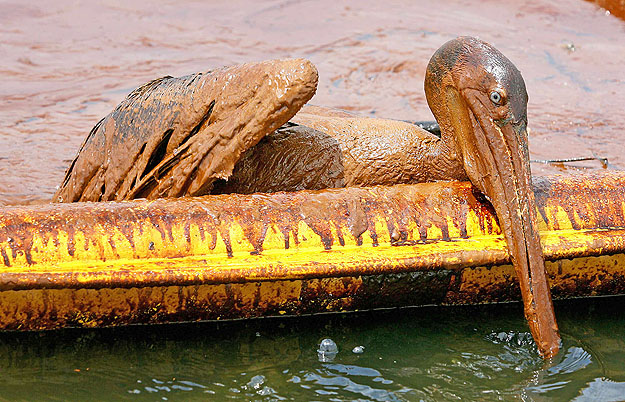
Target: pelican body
[190,146]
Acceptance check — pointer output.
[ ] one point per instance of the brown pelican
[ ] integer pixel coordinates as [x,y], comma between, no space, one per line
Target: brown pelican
[176,137]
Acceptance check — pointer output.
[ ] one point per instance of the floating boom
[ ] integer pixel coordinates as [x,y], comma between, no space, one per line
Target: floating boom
[242,256]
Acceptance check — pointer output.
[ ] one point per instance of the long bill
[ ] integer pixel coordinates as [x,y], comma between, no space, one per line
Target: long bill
[496,159]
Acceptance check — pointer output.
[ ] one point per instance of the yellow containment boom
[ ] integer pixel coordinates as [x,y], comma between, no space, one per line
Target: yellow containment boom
[241,256]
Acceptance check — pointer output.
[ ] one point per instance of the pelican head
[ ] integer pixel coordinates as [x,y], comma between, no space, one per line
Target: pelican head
[479,99]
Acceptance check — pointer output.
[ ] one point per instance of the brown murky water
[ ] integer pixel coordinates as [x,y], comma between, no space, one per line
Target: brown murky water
[66,64]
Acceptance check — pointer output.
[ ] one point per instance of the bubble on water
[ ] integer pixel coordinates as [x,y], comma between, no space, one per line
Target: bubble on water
[328,345]
[358,349]
[327,350]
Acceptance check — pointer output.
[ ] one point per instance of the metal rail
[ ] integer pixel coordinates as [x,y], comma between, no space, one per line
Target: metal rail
[238,256]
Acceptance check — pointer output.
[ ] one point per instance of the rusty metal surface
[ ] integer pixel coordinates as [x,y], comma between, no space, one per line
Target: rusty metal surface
[40,309]
[235,256]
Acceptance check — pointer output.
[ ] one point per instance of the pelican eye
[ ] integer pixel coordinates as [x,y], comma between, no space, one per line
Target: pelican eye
[496,98]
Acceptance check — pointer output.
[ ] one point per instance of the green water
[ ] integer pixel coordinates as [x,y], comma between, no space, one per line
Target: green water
[473,353]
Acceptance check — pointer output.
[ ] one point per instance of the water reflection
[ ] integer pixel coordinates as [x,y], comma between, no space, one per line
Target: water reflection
[602,389]
[412,354]
[339,379]
[575,359]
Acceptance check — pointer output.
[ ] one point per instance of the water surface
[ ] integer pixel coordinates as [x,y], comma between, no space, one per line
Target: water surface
[474,353]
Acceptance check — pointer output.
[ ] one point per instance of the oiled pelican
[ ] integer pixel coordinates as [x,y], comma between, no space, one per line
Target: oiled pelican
[176,137]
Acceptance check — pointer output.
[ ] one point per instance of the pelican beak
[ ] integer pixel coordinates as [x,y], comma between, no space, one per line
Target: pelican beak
[496,159]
